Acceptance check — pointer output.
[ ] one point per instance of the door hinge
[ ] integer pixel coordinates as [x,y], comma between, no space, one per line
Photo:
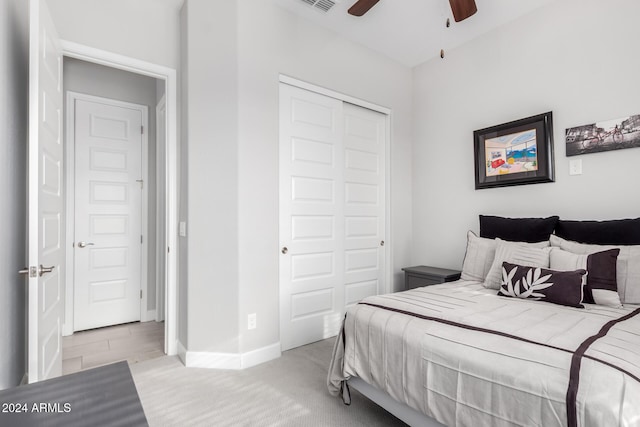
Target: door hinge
[141,130]
[140,293]
[141,239]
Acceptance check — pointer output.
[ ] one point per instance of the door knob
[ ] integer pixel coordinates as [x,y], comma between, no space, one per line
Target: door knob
[42,270]
[284,250]
[381,242]
[32,271]
[84,244]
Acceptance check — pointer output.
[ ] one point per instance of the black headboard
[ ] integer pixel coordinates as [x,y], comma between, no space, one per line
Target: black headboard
[612,232]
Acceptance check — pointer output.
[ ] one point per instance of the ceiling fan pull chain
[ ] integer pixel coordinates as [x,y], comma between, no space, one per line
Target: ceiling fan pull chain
[447,24]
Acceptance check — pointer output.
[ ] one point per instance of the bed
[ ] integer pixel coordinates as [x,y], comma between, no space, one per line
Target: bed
[465,354]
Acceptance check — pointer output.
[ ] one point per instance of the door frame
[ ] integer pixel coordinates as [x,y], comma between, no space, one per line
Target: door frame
[169,75]
[69,187]
[161,229]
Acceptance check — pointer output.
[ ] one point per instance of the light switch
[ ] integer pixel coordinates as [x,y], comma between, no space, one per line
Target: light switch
[183,229]
[575,167]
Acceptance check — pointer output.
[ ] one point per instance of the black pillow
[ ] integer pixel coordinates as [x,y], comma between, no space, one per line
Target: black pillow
[530,230]
[615,232]
[541,284]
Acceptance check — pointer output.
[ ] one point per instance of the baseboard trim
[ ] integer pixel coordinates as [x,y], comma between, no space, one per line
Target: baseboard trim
[25,379]
[261,355]
[200,359]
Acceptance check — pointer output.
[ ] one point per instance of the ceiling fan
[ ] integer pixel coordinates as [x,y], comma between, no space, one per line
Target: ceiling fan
[462,9]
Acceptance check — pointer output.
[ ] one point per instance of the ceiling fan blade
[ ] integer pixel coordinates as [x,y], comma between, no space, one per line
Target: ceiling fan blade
[462,9]
[361,7]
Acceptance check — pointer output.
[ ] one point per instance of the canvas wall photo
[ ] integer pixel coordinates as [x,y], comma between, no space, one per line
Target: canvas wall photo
[603,136]
[514,153]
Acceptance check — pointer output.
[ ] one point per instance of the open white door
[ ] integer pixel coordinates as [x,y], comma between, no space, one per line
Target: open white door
[46,255]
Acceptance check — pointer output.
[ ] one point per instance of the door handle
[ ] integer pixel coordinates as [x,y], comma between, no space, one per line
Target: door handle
[85,244]
[32,271]
[44,270]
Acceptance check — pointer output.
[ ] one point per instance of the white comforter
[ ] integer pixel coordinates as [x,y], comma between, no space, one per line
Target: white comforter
[465,377]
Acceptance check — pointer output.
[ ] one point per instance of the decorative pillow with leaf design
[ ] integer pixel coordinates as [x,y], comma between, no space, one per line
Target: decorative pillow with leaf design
[541,284]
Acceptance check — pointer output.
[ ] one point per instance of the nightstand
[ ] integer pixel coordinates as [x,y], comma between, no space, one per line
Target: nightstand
[422,275]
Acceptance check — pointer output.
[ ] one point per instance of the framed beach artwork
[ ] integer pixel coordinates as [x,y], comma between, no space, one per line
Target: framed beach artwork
[603,136]
[515,153]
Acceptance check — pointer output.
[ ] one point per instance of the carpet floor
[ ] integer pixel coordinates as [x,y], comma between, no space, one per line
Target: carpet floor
[288,391]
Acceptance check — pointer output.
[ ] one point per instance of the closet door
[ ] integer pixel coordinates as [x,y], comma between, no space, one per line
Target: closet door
[364,149]
[331,211]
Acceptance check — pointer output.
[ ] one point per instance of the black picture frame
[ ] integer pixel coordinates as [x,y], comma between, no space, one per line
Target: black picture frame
[515,153]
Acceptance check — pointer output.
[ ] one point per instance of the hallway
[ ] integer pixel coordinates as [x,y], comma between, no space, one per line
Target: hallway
[133,342]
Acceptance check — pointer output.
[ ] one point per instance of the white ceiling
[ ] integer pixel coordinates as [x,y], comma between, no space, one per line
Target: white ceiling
[175,4]
[413,31]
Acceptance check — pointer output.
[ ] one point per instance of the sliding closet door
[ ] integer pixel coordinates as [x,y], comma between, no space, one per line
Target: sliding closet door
[364,148]
[332,206]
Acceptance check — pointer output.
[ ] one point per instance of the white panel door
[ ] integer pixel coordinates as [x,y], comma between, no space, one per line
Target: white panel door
[364,145]
[331,212]
[108,214]
[46,254]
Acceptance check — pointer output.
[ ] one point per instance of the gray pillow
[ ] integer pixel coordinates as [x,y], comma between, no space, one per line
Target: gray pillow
[627,266]
[515,253]
[478,258]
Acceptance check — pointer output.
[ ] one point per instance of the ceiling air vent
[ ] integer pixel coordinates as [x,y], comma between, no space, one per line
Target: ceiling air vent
[323,5]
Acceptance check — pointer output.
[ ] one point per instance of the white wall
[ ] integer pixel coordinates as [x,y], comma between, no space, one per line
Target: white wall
[93,79]
[272,40]
[211,74]
[144,29]
[236,52]
[14,89]
[577,58]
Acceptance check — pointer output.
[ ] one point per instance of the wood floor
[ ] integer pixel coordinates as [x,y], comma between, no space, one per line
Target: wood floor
[133,342]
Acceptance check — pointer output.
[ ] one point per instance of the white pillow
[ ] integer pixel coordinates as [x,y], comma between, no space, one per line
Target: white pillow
[478,258]
[627,266]
[516,253]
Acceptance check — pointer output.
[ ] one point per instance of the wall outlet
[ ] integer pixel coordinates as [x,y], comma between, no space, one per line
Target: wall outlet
[575,167]
[252,322]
